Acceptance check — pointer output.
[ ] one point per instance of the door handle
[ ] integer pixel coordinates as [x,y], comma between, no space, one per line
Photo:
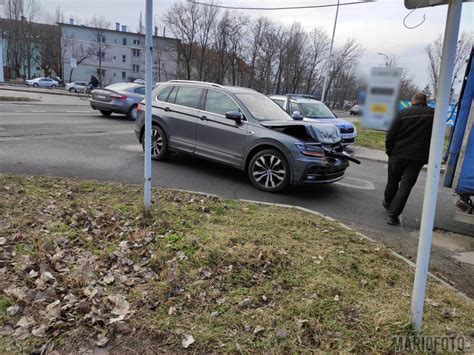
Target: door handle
[167,109]
[203,118]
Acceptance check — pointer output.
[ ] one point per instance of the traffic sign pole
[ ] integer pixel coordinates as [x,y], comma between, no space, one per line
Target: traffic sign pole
[148,89]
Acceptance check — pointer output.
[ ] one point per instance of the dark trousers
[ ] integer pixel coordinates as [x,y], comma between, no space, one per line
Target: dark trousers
[402,176]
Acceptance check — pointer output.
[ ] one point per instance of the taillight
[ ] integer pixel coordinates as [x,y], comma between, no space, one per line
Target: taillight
[118,96]
[311,150]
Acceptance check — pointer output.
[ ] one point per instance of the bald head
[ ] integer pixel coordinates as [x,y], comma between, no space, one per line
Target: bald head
[419,99]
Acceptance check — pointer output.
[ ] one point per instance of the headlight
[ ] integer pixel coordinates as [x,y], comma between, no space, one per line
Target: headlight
[310,150]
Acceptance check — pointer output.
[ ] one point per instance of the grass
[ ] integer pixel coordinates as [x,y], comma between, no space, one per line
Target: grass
[370,138]
[326,287]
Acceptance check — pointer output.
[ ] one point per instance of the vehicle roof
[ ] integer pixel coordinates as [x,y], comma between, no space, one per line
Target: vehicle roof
[233,89]
[124,85]
[279,97]
[304,100]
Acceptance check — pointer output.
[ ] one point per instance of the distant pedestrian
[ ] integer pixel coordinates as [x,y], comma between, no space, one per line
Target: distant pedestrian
[94,83]
[407,145]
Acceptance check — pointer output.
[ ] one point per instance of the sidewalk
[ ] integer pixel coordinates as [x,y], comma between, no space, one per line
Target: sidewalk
[24,88]
[377,155]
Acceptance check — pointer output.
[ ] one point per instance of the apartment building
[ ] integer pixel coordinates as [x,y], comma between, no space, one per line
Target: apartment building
[114,55]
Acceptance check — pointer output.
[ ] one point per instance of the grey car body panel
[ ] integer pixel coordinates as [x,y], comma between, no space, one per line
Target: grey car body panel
[116,105]
[217,138]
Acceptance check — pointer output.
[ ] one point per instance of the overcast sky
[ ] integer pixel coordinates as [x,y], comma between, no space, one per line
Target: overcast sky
[378,25]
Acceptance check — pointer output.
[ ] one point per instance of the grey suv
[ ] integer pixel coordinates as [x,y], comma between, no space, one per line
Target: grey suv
[245,129]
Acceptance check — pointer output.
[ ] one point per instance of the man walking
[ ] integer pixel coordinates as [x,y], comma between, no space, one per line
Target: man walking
[407,145]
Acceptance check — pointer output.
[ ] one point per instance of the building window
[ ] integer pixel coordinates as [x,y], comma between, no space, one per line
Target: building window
[101,54]
[136,52]
[99,72]
[124,75]
[124,41]
[101,38]
[136,41]
[136,68]
[124,58]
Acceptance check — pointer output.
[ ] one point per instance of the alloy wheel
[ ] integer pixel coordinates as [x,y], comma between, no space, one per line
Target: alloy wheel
[156,142]
[269,171]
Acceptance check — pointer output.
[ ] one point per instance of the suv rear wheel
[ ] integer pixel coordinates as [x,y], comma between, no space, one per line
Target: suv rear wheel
[159,144]
[269,171]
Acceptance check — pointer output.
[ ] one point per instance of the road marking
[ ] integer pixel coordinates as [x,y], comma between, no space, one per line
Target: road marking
[356,183]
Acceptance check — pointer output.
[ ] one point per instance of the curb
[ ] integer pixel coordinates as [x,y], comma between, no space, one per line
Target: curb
[37,92]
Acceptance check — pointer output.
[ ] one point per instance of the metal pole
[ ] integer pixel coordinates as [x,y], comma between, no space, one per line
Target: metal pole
[432,180]
[326,75]
[148,89]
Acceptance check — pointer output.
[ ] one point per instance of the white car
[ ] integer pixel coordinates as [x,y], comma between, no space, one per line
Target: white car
[42,82]
[77,86]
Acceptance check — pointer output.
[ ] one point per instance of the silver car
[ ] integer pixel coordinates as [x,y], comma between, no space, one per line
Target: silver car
[122,98]
[245,129]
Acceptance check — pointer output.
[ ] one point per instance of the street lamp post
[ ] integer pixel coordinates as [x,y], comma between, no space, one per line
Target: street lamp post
[386,58]
[328,69]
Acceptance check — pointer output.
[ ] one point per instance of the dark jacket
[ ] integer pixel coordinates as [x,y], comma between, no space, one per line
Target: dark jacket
[410,134]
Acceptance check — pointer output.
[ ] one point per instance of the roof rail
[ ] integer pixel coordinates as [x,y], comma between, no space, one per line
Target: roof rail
[195,82]
[306,96]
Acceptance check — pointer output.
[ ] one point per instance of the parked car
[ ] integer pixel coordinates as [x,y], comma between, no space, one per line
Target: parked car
[120,98]
[245,129]
[356,110]
[42,82]
[77,86]
[307,108]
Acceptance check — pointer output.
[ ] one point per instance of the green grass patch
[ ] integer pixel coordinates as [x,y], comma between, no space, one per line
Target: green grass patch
[231,274]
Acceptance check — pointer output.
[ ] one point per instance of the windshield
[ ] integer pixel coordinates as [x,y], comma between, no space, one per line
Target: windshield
[316,110]
[262,108]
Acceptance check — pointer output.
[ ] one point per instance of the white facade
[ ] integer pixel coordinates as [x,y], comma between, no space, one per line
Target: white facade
[123,55]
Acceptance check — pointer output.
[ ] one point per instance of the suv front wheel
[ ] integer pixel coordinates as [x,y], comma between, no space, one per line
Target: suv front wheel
[269,171]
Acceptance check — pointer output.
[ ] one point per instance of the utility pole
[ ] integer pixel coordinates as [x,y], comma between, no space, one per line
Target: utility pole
[148,89]
[328,69]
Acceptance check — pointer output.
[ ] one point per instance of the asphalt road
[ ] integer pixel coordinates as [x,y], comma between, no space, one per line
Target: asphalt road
[73,141]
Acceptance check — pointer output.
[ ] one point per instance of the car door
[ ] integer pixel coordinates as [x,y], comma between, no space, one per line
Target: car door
[43,82]
[217,137]
[180,113]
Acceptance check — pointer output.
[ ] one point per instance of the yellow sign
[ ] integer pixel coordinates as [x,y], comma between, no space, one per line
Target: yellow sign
[378,108]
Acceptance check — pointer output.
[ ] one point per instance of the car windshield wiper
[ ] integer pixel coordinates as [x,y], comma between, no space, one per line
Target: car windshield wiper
[318,117]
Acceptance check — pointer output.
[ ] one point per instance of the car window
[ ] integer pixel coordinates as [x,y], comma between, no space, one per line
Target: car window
[220,103]
[294,107]
[163,95]
[262,108]
[279,102]
[316,110]
[140,90]
[189,97]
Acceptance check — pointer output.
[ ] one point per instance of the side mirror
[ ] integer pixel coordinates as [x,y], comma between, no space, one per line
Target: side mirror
[234,115]
[297,116]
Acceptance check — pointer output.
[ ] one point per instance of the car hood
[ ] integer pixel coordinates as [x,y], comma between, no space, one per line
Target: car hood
[339,122]
[326,133]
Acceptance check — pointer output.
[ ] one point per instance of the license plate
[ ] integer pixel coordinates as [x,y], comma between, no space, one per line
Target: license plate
[99,96]
[348,135]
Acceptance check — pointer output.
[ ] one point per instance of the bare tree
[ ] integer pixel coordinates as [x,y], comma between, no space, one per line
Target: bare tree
[408,88]
[317,53]
[183,19]
[342,58]
[99,39]
[206,20]
[434,51]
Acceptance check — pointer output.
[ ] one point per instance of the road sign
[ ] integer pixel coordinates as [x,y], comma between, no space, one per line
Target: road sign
[73,63]
[382,97]
[416,4]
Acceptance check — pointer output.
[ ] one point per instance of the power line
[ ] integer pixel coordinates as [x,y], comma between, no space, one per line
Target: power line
[278,8]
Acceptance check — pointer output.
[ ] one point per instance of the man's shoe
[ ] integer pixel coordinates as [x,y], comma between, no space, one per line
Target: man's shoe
[385,205]
[393,221]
